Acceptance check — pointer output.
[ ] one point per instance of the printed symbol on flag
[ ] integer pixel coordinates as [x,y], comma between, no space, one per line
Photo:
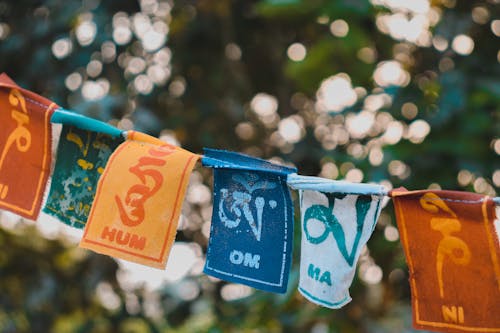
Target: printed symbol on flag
[21,136]
[240,203]
[450,246]
[132,213]
[84,147]
[331,224]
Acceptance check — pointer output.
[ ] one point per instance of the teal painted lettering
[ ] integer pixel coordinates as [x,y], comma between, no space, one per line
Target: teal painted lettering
[332,225]
[313,272]
[326,278]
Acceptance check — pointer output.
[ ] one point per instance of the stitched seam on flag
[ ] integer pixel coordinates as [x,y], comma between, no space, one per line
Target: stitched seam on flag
[245,278]
[179,189]
[464,328]
[322,301]
[457,200]
[491,244]
[58,213]
[124,251]
[354,193]
[99,188]
[32,101]
[283,261]
[120,249]
[404,238]
[403,194]
[42,174]
[45,146]
[375,217]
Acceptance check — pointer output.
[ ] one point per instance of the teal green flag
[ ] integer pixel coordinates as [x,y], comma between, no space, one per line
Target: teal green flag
[81,158]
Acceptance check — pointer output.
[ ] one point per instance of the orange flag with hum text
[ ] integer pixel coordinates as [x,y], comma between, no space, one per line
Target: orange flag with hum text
[138,201]
[25,148]
[452,250]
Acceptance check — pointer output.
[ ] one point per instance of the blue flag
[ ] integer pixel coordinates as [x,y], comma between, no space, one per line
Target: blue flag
[252,222]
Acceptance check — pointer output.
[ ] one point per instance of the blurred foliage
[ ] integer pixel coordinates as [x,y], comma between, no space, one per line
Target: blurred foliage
[216,56]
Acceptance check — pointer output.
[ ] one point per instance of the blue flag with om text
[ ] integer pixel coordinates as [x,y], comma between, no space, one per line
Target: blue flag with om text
[251,234]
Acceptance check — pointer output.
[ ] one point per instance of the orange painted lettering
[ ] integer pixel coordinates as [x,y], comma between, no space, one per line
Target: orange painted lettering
[450,246]
[21,136]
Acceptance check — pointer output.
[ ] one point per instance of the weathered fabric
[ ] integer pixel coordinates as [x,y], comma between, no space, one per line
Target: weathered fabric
[251,234]
[337,219]
[453,256]
[25,148]
[81,158]
[138,202]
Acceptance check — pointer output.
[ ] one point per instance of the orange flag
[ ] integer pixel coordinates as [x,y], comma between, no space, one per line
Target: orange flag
[138,201]
[453,254]
[25,148]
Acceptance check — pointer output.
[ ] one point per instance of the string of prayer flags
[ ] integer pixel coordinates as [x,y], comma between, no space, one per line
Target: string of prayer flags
[82,155]
[337,219]
[453,256]
[138,202]
[128,194]
[25,148]
[252,221]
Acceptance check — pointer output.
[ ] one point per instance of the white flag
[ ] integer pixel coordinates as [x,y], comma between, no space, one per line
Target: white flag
[337,219]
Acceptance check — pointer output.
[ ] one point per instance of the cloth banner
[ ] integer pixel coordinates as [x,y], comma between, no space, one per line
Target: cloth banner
[453,255]
[251,235]
[337,219]
[81,158]
[138,202]
[25,148]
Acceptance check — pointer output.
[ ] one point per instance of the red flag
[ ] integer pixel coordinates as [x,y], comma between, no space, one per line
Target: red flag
[25,148]
[453,254]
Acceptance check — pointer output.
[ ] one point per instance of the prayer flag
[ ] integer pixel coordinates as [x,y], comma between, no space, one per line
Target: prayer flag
[251,235]
[453,255]
[337,219]
[81,159]
[138,202]
[25,148]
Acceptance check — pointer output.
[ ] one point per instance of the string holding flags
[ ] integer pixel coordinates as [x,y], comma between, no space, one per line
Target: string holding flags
[126,190]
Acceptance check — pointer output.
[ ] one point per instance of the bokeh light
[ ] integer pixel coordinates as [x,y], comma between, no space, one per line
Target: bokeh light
[86,31]
[463,44]
[62,47]
[339,28]
[73,81]
[335,94]
[265,107]
[296,52]
[391,73]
